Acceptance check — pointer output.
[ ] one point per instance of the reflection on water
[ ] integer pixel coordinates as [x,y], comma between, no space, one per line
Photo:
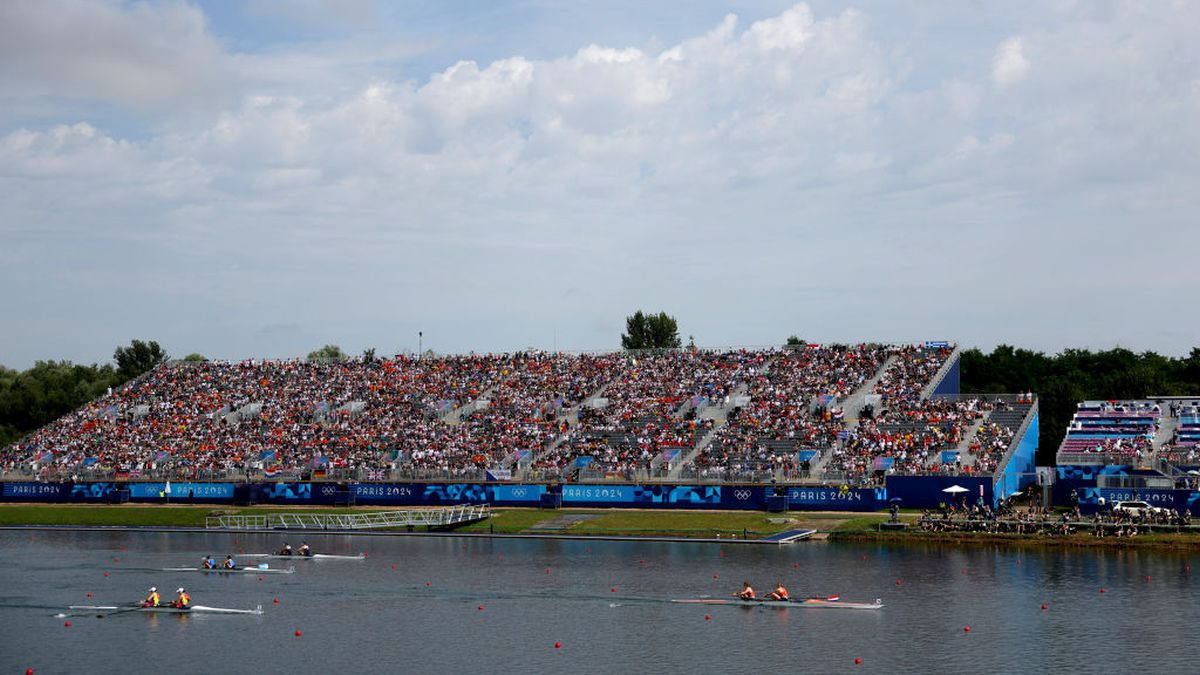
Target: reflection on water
[469,605]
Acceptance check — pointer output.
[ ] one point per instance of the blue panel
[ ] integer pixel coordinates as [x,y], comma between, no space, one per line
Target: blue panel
[285,493]
[925,492]
[205,491]
[1020,471]
[604,494]
[841,499]
[950,383]
[385,493]
[517,494]
[36,492]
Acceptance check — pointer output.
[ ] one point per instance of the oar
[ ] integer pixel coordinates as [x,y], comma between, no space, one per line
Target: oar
[132,608]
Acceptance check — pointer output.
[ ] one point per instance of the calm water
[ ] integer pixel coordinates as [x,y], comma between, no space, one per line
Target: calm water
[368,617]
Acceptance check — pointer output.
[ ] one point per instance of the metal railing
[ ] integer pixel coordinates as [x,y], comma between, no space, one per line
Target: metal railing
[437,517]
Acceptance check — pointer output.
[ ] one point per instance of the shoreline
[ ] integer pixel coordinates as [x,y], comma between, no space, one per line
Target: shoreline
[652,525]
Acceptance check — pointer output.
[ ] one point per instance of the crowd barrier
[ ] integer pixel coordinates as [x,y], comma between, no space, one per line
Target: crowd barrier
[741,497]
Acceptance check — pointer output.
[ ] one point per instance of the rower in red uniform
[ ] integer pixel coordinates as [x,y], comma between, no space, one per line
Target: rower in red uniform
[747,593]
[780,593]
[182,600]
[151,600]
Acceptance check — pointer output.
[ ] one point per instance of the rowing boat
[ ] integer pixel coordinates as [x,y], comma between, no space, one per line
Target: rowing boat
[167,609]
[236,570]
[798,602]
[297,556]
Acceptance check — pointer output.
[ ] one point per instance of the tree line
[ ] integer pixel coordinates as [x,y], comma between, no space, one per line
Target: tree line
[32,398]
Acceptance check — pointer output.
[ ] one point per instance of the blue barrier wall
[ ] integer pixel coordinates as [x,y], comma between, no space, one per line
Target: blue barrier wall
[950,384]
[926,492]
[1176,500]
[1020,471]
[743,497]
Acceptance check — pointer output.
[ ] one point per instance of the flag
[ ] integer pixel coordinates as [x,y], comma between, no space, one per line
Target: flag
[167,489]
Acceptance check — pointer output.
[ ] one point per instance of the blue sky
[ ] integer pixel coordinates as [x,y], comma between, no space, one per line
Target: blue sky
[258,179]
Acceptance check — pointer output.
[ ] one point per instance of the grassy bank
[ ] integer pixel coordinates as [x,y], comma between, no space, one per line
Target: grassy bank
[866,529]
[596,522]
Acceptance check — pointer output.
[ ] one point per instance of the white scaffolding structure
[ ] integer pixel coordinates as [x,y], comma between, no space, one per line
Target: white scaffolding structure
[407,518]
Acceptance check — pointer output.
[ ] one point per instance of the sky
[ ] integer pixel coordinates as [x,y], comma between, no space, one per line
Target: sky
[258,179]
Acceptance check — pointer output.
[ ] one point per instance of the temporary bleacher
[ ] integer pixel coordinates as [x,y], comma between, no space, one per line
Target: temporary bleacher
[1108,432]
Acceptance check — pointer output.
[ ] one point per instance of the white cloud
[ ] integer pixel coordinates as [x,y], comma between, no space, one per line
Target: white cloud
[142,54]
[1009,65]
[648,174]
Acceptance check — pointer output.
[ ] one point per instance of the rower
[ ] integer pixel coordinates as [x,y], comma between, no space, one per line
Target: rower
[747,593]
[151,600]
[229,564]
[209,563]
[286,550]
[304,550]
[780,593]
[182,599]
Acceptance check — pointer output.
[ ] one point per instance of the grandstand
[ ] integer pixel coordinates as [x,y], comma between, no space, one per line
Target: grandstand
[852,414]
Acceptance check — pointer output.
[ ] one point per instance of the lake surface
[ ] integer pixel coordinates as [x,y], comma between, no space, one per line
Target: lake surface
[413,606]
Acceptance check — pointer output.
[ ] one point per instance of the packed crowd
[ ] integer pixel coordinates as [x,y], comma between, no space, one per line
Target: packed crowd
[457,415]
[789,409]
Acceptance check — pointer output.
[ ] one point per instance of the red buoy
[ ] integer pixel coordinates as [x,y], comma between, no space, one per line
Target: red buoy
[708,617]
[1103,590]
[966,629]
[641,562]
[260,578]
[106,574]
[29,671]
[428,583]
[547,570]
[116,560]
[714,576]
[89,594]
[558,645]
[857,661]
[298,633]
[277,601]
[481,608]
[897,582]
[393,567]
[613,589]
[67,624]
[1147,577]
[1043,606]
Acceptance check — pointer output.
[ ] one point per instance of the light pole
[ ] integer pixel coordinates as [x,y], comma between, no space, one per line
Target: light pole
[420,345]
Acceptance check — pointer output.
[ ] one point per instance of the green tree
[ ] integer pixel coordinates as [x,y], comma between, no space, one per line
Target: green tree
[369,354]
[794,342]
[195,358]
[328,353]
[139,357]
[650,331]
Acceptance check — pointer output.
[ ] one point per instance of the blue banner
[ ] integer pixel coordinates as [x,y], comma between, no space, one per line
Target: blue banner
[517,494]
[598,494]
[206,491]
[837,499]
[92,492]
[36,492]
